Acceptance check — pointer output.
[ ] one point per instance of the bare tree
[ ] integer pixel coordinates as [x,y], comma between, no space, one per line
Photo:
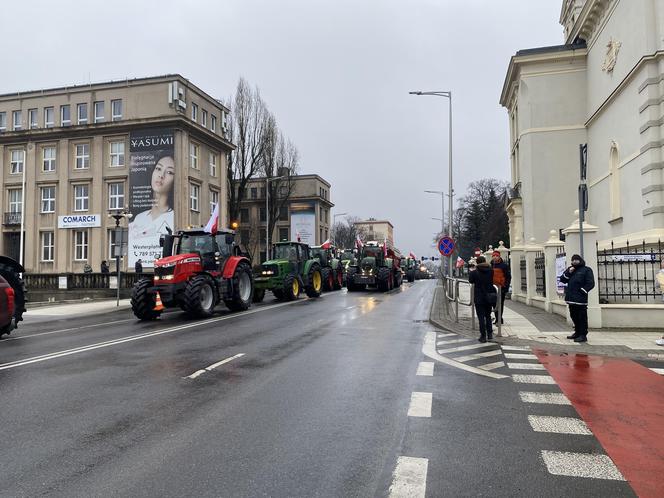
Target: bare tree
[344,233]
[247,125]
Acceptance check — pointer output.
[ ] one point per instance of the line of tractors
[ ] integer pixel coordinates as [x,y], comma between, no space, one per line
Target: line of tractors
[198,271]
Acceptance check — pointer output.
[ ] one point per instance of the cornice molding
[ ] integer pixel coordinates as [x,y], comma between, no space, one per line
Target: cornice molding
[590,19]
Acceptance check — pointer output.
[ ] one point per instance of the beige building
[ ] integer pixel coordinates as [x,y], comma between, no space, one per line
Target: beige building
[604,87]
[73,147]
[377,230]
[306,213]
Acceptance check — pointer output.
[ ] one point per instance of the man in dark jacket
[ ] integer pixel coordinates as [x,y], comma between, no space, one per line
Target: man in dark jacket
[580,281]
[502,277]
[484,295]
[138,266]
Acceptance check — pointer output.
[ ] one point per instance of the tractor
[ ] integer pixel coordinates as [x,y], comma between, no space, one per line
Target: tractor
[376,265]
[12,295]
[409,267]
[290,270]
[331,267]
[196,272]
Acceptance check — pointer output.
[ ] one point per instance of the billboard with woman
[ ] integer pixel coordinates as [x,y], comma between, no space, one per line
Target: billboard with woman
[151,186]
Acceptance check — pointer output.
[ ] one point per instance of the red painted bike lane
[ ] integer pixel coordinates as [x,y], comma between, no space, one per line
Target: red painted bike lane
[622,403]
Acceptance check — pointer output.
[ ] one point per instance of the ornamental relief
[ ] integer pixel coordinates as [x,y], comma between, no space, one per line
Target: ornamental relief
[612,49]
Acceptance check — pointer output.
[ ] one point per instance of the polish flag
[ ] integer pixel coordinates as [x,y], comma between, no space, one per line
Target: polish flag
[213,225]
[358,242]
[460,262]
[412,256]
[327,244]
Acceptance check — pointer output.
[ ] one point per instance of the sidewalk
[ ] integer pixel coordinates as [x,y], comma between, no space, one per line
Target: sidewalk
[45,313]
[533,324]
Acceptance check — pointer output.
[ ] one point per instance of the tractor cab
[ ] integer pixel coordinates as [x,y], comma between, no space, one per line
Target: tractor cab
[213,250]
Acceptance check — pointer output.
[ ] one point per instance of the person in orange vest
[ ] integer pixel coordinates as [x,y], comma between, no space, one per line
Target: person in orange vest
[502,277]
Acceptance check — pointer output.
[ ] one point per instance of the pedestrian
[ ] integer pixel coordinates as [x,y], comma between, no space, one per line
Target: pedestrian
[87,268]
[484,295]
[104,267]
[659,285]
[580,281]
[138,267]
[502,277]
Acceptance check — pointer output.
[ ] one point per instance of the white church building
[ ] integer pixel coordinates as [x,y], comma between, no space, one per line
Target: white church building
[602,87]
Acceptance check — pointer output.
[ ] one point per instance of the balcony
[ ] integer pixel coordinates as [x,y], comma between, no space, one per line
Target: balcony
[12,219]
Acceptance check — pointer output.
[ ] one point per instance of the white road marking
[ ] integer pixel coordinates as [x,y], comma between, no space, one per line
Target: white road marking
[477,356]
[429,350]
[425,368]
[453,341]
[213,366]
[420,404]
[533,379]
[526,366]
[448,335]
[659,371]
[562,463]
[16,338]
[131,338]
[409,479]
[492,366]
[467,348]
[515,348]
[518,356]
[544,398]
[559,425]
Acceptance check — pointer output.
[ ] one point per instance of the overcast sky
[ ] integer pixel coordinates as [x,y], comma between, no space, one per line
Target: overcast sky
[336,73]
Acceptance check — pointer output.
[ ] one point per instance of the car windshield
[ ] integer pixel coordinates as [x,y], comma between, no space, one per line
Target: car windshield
[288,252]
[202,244]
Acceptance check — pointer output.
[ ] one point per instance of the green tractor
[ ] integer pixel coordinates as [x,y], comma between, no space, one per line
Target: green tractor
[373,267]
[290,270]
[409,267]
[332,269]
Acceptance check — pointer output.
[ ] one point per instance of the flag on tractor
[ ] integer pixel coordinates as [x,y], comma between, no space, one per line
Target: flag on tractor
[460,262]
[213,225]
[412,256]
[385,247]
[299,239]
[358,242]
[327,244]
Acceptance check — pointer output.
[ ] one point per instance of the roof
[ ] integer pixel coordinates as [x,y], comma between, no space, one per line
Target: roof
[550,49]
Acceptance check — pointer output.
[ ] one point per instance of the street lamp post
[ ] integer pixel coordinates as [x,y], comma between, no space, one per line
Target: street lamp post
[118,216]
[447,95]
[334,222]
[442,209]
[268,179]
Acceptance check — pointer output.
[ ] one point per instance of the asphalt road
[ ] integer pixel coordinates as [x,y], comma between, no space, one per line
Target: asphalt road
[316,405]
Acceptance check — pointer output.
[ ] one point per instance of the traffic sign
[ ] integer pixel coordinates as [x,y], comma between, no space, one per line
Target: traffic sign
[446,246]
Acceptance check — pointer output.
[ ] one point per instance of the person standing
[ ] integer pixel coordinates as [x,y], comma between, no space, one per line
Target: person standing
[104,267]
[484,295]
[502,277]
[580,281]
[138,267]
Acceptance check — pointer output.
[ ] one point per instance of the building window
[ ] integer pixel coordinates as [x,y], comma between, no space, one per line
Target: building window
[15,200]
[116,110]
[283,191]
[193,156]
[283,213]
[244,215]
[117,154]
[16,161]
[214,200]
[99,111]
[116,195]
[112,242]
[81,197]
[3,121]
[49,117]
[244,237]
[194,194]
[261,214]
[82,113]
[48,154]
[17,118]
[204,118]
[283,234]
[65,115]
[47,246]
[81,245]
[48,199]
[213,164]
[213,123]
[254,193]
[82,156]
[194,112]
[32,119]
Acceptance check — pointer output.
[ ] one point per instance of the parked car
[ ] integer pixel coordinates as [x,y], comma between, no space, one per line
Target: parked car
[12,295]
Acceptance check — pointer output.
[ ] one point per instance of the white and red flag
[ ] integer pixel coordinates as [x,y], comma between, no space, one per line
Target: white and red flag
[213,225]
[327,244]
[412,256]
[299,239]
[460,262]
[358,242]
[385,247]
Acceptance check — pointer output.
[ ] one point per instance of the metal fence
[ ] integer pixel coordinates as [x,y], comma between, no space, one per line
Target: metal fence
[627,274]
[522,266]
[55,281]
[540,278]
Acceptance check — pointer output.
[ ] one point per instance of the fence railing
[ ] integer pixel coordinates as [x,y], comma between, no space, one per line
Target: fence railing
[55,281]
[540,274]
[524,277]
[627,274]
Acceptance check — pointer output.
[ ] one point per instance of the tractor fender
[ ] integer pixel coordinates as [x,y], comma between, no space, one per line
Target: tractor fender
[231,265]
[15,265]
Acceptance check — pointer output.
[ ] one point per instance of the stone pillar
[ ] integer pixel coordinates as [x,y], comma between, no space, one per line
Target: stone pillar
[516,252]
[572,245]
[551,249]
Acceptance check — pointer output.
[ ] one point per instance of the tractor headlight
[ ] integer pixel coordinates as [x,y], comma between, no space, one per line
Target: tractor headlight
[267,272]
[165,277]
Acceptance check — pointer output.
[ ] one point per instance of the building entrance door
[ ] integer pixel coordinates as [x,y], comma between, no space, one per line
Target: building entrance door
[13,245]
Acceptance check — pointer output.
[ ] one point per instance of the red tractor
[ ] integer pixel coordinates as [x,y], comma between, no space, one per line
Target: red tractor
[196,272]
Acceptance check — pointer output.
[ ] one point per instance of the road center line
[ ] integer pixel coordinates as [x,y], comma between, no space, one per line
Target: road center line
[420,404]
[213,366]
[409,478]
[122,340]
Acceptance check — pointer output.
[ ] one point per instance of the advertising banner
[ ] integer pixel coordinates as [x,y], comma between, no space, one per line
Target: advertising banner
[79,221]
[561,265]
[303,222]
[151,192]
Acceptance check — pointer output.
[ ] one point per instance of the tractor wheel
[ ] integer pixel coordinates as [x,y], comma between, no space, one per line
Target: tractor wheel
[278,293]
[14,279]
[242,287]
[350,277]
[259,294]
[383,279]
[199,297]
[339,280]
[411,276]
[328,279]
[291,290]
[314,281]
[398,280]
[142,302]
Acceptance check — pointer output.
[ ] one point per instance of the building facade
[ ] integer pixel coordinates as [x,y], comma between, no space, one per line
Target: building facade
[304,213]
[71,156]
[377,230]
